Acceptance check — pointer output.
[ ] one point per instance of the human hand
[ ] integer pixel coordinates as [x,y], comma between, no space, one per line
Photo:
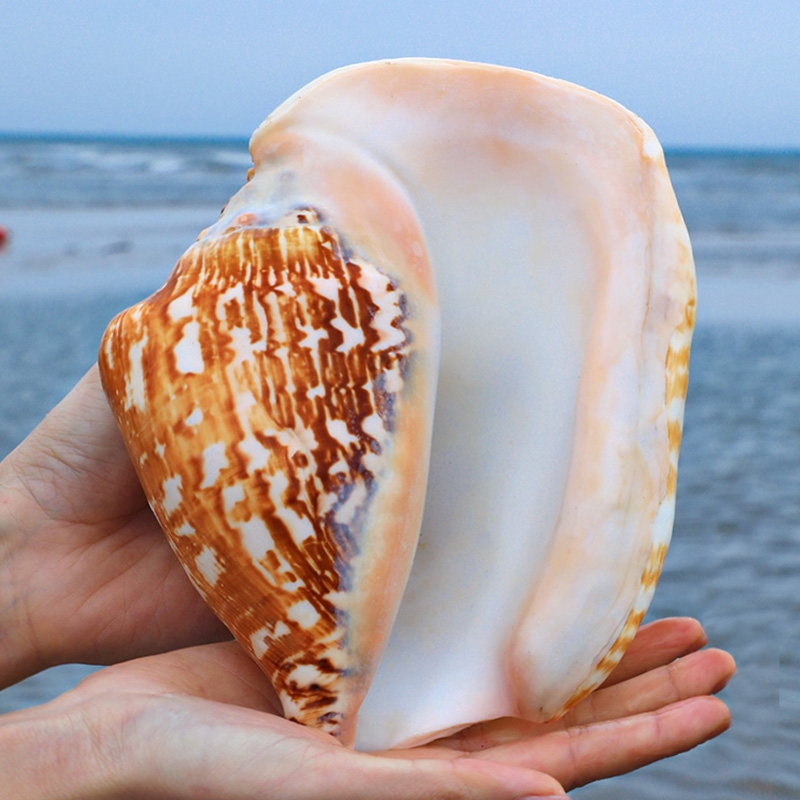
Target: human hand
[86,574]
[204,723]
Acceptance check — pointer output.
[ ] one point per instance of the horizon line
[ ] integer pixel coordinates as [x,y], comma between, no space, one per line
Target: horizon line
[231,139]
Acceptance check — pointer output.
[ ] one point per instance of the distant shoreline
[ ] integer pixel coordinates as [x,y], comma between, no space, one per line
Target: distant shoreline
[123,138]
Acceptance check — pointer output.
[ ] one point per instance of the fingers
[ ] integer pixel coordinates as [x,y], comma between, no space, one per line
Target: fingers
[694,675]
[576,756]
[702,673]
[650,716]
[78,444]
[658,643]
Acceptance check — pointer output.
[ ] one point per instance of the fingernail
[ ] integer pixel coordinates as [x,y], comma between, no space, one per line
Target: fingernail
[544,797]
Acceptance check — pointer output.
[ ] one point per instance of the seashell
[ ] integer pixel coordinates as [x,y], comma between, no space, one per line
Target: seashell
[505,244]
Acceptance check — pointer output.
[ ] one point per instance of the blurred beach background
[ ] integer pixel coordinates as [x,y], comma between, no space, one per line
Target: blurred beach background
[98,211]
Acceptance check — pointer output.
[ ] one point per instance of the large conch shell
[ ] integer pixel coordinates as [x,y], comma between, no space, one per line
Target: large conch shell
[277,396]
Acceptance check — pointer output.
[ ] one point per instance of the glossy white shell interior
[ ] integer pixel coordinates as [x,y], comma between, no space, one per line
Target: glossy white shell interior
[566,285]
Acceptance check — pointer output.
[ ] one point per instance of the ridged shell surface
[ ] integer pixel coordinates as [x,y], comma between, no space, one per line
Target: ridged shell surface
[454,302]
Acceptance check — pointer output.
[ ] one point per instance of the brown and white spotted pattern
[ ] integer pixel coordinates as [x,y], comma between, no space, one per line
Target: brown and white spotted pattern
[257,392]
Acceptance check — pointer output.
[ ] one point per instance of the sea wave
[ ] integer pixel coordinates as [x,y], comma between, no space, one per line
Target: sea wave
[47,173]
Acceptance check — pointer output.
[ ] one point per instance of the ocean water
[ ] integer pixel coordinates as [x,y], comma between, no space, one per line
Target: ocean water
[96,224]
[58,172]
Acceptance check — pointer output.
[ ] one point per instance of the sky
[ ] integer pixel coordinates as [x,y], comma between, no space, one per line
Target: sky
[702,73]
